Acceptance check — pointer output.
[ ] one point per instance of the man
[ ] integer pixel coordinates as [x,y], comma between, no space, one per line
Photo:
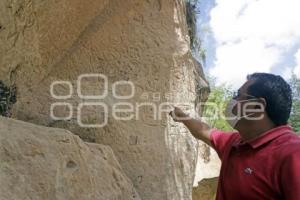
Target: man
[261,160]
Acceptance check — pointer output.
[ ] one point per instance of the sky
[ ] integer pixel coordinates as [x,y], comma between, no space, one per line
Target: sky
[241,37]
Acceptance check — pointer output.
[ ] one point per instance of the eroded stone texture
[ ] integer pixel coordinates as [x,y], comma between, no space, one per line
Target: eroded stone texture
[145,42]
[206,189]
[208,164]
[47,163]
[207,172]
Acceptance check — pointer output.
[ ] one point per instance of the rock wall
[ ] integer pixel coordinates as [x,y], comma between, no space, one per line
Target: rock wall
[207,173]
[206,189]
[208,164]
[142,42]
[48,163]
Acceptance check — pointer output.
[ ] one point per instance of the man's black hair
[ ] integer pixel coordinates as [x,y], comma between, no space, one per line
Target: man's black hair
[277,93]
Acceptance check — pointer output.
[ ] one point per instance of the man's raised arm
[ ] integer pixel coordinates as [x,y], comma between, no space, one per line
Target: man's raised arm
[199,129]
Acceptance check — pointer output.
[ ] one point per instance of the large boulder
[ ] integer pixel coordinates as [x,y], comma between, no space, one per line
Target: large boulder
[50,163]
[206,189]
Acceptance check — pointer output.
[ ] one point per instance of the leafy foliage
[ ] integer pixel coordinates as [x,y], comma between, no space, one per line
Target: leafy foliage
[295,114]
[216,104]
[7,99]
[191,17]
[192,10]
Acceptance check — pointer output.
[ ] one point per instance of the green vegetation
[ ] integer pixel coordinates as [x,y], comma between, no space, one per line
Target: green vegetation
[219,96]
[7,99]
[295,114]
[192,10]
[191,18]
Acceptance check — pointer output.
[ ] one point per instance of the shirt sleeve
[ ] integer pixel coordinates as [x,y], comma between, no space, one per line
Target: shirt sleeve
[290,177]
[220,140]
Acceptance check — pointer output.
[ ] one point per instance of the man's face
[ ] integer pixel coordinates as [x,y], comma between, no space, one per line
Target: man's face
[242,93]
[247,105]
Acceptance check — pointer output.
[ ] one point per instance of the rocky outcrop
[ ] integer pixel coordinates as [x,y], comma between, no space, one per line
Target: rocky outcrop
[206,189]
[207,172]
[144,44]
[50,163]
[208,164]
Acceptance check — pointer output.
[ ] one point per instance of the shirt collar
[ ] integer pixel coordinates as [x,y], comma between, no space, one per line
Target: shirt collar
[269,135]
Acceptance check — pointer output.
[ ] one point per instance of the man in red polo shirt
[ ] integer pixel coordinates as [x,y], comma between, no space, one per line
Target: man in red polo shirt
[261,160]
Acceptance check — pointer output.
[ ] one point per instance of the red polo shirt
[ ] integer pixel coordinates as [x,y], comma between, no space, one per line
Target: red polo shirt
[267,167]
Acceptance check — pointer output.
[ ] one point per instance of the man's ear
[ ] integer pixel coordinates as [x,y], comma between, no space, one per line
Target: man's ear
[263,103]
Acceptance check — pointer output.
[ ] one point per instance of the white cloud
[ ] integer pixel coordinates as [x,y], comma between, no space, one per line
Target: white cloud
[297,68]
[287,73]
[252,36]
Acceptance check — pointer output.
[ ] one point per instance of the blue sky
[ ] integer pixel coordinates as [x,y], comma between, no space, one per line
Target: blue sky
[245,36]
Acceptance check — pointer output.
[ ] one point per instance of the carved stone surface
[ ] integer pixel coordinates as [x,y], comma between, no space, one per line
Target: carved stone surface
[141,41]
[48,163]
[206,189]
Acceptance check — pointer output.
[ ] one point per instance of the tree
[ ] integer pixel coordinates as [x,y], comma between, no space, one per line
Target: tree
[216,104]
[295,114]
